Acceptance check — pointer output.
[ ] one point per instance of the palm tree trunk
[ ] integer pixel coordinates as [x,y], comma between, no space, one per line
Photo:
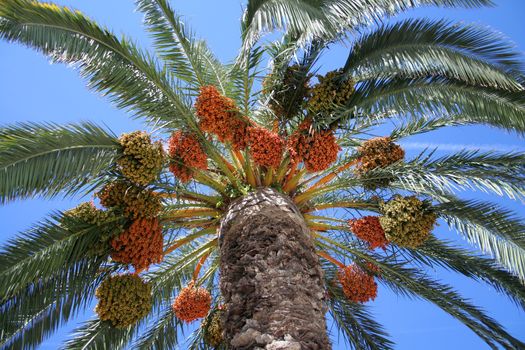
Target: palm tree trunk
[271,278]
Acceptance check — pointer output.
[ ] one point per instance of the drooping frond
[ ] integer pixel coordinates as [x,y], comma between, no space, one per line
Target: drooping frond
[358,326]
[45,252]
[98,335]
[324,19]
[440,97]
[438,253]
[298,17]
[411,283]
[177,269]
[47,159]
[171,275]
[503,223]
[186,57]
[490,172]
[494,230]
[37,329]
[161,334]
[352,14]
[421,48]
[113,67]
[36,312]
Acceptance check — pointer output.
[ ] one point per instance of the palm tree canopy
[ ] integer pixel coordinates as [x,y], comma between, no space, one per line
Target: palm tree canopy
[331,140]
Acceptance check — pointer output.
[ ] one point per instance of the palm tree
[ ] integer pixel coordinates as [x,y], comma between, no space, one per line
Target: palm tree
[268,206]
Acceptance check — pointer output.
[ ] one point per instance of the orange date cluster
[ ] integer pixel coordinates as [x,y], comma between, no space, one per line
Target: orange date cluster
[317,149]
[369,229]
[140,244]
[186,153]
[358,285]
[192,303]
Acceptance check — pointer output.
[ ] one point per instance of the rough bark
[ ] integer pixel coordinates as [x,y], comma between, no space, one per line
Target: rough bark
[271,278]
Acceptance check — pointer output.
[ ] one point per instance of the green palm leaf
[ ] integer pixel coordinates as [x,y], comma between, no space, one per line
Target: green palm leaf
[162,334]
[437,253]
[243,76]
[411,283]
[421,74]
[47,251]
[490,172]
[113,67]
[35,313]
[438,97]
[296,16]
[495,231]
[171,276]
[414,126]
[97,335]
[326,19]
[412,48]
[47,159]
[352,14]
[187,58]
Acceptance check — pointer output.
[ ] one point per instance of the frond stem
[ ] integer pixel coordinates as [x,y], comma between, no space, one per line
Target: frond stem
[188,238]
[350,205]
[199,265]
[330,259]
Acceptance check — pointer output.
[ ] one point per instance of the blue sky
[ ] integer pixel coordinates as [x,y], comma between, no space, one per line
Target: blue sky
[32,89]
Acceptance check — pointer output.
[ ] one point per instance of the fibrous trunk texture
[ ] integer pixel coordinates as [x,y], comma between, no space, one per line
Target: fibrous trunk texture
[271,278]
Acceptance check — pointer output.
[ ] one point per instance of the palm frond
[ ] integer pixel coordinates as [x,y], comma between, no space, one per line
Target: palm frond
[44,252]
[177,269]
[171,275]
[186,57]
[440,98]
[490,172]
[162,334]
[495,231]
[174,274]
[282,59]
[131,78]
[98,335]
[297,17]
[34,314]
[48,159]
[438,253]
[409,282]
[421,47]
[243,76]
[421,125]
[359,328]
[324,19]
[352,14]
[504,223]
[510,256]
[423,74]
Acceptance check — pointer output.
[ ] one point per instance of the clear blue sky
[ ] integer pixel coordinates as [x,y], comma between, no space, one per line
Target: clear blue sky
[31,89]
